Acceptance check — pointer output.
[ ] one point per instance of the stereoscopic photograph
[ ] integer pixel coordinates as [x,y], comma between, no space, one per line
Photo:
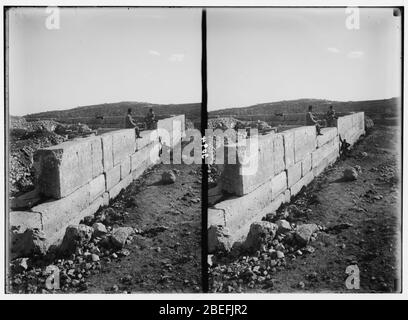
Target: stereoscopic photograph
[305,176]
[99,104]
[203,150]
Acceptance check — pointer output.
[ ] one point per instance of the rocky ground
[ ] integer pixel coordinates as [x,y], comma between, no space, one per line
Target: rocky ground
[147,240]
[332,224]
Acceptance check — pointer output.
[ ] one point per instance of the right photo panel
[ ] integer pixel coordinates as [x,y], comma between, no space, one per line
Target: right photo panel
[304,150]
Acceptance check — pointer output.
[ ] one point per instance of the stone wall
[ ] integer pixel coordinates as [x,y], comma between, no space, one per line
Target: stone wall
[285,163]
[80,176]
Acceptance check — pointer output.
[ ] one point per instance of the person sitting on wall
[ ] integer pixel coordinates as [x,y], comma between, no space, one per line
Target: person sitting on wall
[331,117]
[311,121]
[151,121]
[130,123]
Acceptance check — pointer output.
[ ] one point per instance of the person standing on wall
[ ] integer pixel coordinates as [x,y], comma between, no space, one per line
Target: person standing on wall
[311,121]
[130,123]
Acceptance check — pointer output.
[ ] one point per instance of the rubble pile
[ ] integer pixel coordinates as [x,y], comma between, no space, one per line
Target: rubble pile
[270,245]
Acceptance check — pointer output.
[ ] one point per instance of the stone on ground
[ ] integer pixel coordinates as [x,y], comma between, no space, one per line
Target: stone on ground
[350,174]
[283,226]
[218,239]
[75,235]
[168,177]
[304,233]
[120,235]
[30,242]
[99,229]
[259,233]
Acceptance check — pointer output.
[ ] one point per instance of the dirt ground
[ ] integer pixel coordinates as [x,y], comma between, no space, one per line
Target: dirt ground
[169,259]
[365,214]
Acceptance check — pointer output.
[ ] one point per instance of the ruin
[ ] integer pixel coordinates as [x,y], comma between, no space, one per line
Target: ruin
[286,162]
[78,177]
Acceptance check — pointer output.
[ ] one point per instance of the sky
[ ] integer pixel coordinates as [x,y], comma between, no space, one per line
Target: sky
[103,55]
[266,55]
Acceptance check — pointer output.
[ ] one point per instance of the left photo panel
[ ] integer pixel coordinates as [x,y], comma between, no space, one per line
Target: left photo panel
[104,171]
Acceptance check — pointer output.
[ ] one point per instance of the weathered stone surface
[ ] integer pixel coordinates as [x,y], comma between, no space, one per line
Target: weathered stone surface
[124,144]
[168,177]
[289,145]
[260,232]
[323,152]
[278,154]
[304,232]
[65,167]
[328,135]
[294,190]
[125,166]
[306,164]
[99,229]
[28,243]
[97,187]
[305,141]
[114,191]
[219,239]
[75,235]
[294,173]
[120,235]
[97,156]
[283,226]
[112,177]
[57,214]
[107,151]
[215,217]
[22,220]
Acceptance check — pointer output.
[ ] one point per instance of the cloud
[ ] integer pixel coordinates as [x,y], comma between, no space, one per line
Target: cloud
[177,57]
[333,50]
[154,53]
[355,54]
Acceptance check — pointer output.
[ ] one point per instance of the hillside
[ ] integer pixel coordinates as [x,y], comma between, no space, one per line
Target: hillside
[191,110]
[387,106]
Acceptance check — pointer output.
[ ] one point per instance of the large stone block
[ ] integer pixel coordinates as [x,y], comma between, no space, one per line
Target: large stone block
[57,236]
[305,141]
[107,151]
[255,164]
[289,145]
[328,135]
[306,164]
[64,168]
[124,144]
[112,177]
[97,157]
[97,187]
[215,217]
[323,152]
[294,190]
[294,173]
[278,153]
[23,220]
[57,214]
[114,191]
[253,204]
[125,166]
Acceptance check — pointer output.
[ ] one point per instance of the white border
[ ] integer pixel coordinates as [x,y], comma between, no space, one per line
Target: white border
[200,296]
